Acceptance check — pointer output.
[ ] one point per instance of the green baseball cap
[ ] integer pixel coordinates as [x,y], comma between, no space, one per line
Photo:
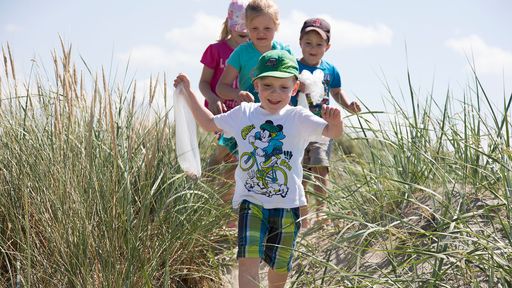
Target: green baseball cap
[276,63]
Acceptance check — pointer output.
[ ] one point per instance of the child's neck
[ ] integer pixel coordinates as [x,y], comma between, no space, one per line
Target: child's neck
[317,63]
[272,112]
[263,49]
[231,43]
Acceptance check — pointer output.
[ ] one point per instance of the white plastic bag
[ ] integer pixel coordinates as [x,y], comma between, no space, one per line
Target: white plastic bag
[314,86]
[187,148]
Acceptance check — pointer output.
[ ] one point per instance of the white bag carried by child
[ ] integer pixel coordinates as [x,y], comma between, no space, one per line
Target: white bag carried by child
[187,148]
[314,87]
[314,90]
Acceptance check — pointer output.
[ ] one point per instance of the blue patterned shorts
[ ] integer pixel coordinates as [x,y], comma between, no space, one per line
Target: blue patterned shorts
[268,234]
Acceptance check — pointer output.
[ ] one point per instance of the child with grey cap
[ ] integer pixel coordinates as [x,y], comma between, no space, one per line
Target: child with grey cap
[315,37]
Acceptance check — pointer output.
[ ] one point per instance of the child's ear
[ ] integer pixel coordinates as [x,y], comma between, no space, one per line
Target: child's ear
[256,85]
[327,47]
[296,87]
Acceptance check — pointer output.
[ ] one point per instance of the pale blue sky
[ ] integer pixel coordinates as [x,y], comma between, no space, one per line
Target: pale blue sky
[368,39]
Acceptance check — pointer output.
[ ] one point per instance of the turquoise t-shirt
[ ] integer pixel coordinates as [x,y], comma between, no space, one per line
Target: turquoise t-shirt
[244,59]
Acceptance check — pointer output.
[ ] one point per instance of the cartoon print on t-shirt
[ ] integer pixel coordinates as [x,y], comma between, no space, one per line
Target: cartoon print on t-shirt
[267,163]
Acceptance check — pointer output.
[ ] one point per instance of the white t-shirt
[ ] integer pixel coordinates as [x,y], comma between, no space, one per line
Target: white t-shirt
[270,151]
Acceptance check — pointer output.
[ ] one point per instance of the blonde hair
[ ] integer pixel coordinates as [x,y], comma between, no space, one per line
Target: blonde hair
[225,32]
[257,8]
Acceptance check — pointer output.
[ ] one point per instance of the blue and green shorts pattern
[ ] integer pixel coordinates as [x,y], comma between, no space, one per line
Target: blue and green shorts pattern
[268,234]
[229,143]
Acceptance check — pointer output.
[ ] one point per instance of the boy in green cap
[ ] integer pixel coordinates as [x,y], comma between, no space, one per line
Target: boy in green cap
[268,191]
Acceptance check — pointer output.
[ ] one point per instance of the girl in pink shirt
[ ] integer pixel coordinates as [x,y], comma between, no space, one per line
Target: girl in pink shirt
[214,61]
[216,54]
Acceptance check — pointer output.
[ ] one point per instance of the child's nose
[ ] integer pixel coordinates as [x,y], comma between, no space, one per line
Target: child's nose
[274,91]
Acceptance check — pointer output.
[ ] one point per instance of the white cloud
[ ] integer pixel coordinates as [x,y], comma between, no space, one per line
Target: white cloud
[203,30]
[184,51]
[182,54]
[155,57]
[361,36]
[344,33]
[487,59]
[12,28]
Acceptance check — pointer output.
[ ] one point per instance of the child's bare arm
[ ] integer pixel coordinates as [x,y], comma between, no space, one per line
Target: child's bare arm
[202,115]
[340,96]
[225,87]
[332,116]
[215,104]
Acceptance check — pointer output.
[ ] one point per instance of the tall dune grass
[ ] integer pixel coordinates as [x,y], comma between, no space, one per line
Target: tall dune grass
[426,201]
[91,194]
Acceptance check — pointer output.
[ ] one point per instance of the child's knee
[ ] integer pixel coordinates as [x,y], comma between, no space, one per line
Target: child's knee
[322,171]
[249,264]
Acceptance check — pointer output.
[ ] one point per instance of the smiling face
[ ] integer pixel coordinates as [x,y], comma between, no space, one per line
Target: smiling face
[262,29]
[275,93]
[313,48]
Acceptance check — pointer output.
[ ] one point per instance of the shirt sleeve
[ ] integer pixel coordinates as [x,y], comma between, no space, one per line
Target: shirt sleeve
[209,56]
[227,121]
[336,78]
[312,125]
[234,59]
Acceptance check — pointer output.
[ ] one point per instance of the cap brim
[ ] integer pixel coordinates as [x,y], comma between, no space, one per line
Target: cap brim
[320,31]
[275,74]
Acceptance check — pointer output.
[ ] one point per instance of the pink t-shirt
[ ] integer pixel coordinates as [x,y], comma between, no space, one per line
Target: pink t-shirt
[215,57]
